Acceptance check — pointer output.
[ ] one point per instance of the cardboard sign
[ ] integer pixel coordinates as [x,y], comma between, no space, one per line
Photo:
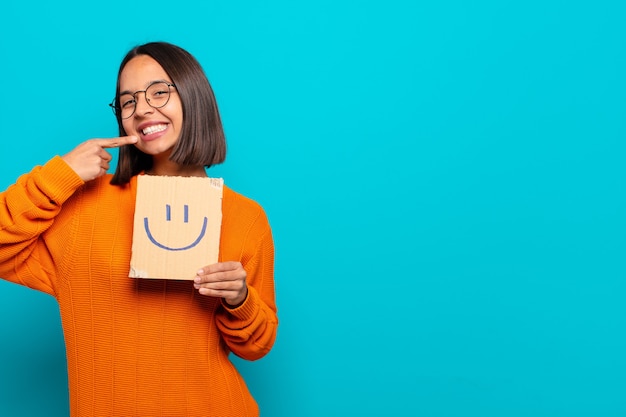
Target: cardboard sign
[177,226]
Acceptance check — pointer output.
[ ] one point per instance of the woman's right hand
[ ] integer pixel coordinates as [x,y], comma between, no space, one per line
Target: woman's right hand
[90,159]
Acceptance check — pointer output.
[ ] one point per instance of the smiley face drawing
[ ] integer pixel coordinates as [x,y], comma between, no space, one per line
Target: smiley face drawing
[176,226]
[168,217]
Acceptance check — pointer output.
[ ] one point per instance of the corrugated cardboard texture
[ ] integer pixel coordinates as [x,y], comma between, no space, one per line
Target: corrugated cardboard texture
[177,226]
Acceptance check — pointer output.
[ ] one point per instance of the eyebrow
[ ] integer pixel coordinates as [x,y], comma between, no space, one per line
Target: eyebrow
[147,85]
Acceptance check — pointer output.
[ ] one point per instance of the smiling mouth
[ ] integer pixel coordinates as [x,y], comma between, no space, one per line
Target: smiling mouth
[154,129]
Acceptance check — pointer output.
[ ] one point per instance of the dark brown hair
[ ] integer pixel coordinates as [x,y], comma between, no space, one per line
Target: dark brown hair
[202,140]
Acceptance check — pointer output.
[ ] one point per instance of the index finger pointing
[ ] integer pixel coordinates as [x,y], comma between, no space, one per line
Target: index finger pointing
[117,142]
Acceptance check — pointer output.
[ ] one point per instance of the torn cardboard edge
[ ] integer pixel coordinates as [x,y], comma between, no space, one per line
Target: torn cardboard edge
[177,225]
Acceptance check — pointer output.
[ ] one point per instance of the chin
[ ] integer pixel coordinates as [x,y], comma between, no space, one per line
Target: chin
[156,149]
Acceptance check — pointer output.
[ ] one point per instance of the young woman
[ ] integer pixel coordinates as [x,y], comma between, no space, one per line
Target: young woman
[141,347]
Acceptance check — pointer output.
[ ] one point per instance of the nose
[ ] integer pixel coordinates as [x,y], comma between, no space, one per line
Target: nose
[141,105]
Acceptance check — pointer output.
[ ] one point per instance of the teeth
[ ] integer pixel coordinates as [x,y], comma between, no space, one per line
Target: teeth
[153,129]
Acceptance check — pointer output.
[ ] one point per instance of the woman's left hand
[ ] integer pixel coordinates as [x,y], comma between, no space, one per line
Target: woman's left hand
[226,280]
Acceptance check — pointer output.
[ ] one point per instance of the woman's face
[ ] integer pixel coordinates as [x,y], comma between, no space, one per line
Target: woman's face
[158,129]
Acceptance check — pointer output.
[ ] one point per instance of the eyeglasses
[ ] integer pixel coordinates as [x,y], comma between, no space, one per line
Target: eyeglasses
[157,96]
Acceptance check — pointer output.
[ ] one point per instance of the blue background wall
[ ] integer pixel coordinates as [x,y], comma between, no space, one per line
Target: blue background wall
[445,182]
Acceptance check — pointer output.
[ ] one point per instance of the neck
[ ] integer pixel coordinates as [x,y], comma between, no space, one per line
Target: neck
[171,169]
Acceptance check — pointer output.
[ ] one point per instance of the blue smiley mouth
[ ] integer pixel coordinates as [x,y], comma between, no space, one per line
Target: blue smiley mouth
[162,246]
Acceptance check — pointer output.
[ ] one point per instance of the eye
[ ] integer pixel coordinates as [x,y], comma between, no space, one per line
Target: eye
[127,102]
[160,92]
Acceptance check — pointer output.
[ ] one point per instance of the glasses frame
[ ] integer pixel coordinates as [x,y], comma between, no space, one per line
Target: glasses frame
[117,109]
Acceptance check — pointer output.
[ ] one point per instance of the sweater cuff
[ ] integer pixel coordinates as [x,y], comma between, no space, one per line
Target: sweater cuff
[58,180]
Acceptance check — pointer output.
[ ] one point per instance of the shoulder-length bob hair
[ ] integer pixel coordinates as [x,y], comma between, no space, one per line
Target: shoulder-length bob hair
[202,140]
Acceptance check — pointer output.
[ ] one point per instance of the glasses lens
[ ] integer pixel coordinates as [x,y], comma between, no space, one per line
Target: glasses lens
[126,106]
[158,94]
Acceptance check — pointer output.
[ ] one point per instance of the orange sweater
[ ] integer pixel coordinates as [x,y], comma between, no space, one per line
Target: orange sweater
[136,347]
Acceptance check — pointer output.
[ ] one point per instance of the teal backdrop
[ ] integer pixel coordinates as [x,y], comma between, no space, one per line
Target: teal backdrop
[444,179]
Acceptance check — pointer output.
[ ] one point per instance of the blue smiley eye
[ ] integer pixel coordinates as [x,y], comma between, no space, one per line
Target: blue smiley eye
[168,217]
[168,213]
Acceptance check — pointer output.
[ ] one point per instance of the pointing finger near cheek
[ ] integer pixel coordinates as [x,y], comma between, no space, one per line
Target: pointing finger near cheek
[117,142]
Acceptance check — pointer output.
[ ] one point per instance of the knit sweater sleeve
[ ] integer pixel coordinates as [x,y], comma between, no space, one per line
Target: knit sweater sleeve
[250,329]
[27,209]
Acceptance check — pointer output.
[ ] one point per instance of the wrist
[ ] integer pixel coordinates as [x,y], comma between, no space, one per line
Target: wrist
[236,302]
